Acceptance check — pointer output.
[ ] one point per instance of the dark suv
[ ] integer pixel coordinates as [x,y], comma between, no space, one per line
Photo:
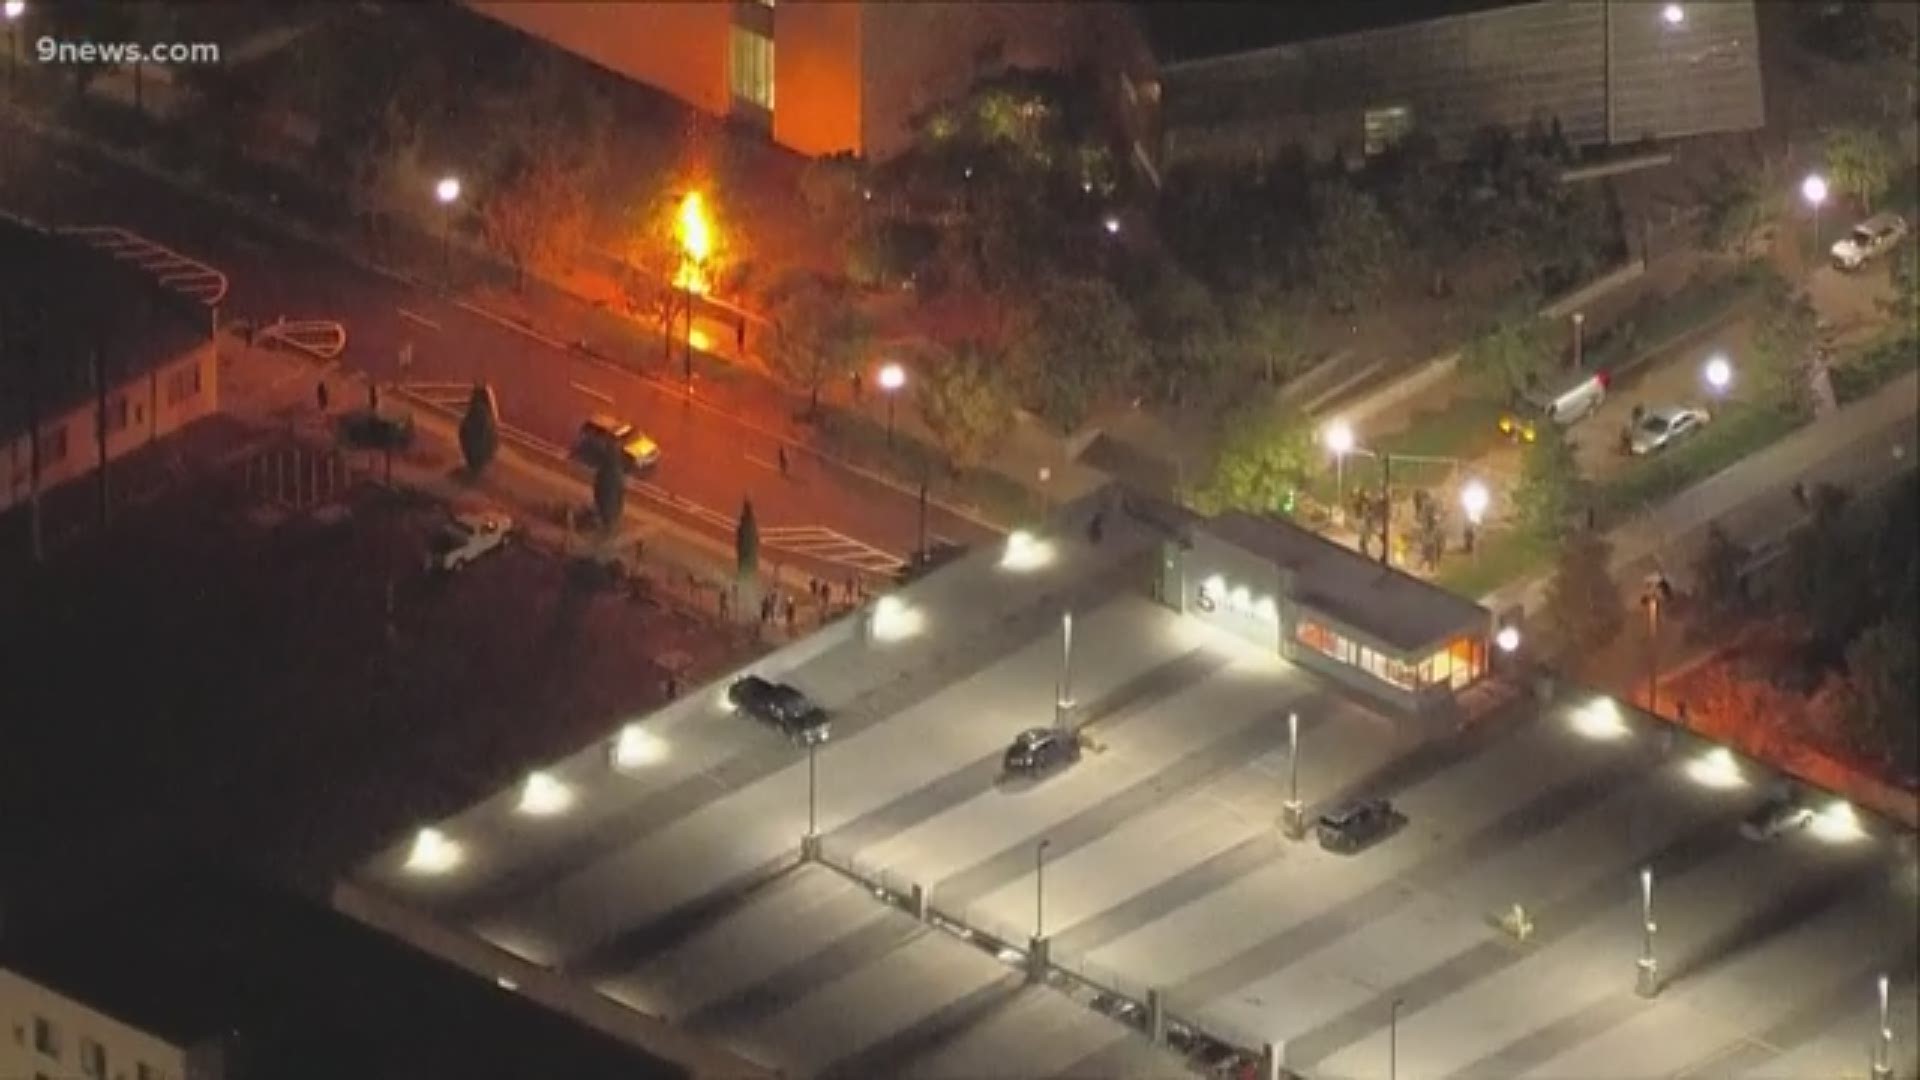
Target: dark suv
[1348,828]
[1040,750]
[782,707]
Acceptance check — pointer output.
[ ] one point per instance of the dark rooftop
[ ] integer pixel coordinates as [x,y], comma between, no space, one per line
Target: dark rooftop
[1398,608]
[298,991]
[84,301]
[1202,29]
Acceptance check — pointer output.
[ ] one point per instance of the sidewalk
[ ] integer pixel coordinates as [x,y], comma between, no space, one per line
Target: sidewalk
[280,389]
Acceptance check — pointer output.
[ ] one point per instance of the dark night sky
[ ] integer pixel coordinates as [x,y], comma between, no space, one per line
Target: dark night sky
[1189,29]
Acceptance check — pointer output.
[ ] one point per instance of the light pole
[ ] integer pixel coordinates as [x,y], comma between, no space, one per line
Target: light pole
[1647,983]
[1655,592]
[13,9]
[1040,889]
[813,791]
[447,192]
[1579,336]
[1063,702]
[1883,1038]
[1474,499]
[1393,1038]
[1814,190]
[1339,439]
[892,378]
[1718,373]
[1293,816]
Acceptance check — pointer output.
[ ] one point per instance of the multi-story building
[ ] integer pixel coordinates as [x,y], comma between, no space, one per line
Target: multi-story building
[824,78]
[72,319]
[45,1034]
[1600,72]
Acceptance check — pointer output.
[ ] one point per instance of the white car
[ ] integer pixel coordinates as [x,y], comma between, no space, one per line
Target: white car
[1775,817]
[466,538]
[1871,238]
[1662,427]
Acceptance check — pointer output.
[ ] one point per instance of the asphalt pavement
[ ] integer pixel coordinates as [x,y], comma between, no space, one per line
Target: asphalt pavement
[711,462]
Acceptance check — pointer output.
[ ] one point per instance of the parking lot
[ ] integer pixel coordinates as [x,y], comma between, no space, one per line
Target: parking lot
[668,881]
[281,687]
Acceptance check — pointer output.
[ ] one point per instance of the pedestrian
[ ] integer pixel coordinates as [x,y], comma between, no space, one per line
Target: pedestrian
[320,394]
[672,687]
[639,550]
[1097,528]
[373,396]
[740,337]
[856,388]
[792,614]
[766,609]
[1800,496]
[723,607]
[782,457]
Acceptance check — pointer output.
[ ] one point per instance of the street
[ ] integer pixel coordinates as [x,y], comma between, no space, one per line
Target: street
[711,461]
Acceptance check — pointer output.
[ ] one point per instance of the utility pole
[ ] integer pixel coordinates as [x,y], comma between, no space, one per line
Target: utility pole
[1386,509]
[100,433]
[922,549]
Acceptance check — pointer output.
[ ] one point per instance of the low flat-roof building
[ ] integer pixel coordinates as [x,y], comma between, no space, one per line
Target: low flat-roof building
[50,1033]
[70,316]
[1601,72]
[1410,644]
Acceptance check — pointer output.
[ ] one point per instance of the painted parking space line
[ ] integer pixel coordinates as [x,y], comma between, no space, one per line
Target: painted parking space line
[416,317]
[597,395]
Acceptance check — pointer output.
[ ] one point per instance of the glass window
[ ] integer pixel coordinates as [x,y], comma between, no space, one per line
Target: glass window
[752,68]
[1387,126]
[93,1060]
[46,1037]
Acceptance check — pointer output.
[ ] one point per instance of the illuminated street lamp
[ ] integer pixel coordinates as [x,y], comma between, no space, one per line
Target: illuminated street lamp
[1647,977]
[13,9]
[1293,815]
[1339,438]
[1474,499]
[1814,190]
[1111,224]
[1508,639]
[1718,373]
[1673,15]
[447,193]
[892,378]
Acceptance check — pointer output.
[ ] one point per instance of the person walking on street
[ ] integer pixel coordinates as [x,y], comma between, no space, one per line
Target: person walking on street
[320,394]
[782,457]
[792,614]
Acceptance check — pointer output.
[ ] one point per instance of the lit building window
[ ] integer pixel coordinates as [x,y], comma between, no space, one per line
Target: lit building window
[1328,642]
[752,68]
[1387,126]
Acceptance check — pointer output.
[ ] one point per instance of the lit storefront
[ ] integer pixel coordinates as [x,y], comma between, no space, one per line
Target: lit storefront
[1385,633]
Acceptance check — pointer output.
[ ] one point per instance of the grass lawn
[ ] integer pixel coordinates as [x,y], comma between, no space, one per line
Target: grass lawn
[1858,375]
[1736,433]
[863,442]
[1466,428]
[1503,557]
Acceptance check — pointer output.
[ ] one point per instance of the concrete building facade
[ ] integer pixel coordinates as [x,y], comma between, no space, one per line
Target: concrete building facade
[825,78]
[45,1034]
[72,316]
[1602,72]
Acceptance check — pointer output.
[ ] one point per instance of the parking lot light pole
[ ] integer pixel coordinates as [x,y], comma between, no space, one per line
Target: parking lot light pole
[1393,1039]
[1063,702]
[1040,889]
[810,843]
[1883,1038]
[1293,816]
[1647,983]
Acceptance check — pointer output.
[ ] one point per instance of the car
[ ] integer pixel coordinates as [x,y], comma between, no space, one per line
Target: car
[1870,239]
[1041,750]
[1774,818]
[1125,1010]
[1660,428]
[466,538]
[782,707]
[604,438]
[1351,826]
[1566,402]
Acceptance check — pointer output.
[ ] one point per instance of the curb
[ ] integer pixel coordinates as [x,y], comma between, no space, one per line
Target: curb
[294,228]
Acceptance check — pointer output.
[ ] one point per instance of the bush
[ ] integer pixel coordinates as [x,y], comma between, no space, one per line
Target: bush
[1859,376]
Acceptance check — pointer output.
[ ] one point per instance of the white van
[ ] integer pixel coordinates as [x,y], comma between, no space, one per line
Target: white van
[1567,403]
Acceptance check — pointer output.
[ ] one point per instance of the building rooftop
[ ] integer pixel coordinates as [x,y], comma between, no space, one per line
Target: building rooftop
[1396,607]
[296,990]
[1210,28]
[87,301]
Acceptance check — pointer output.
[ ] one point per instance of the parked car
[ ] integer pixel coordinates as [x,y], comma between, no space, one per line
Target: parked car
[604,437]
[1351,826]
[1567,402]
[1125,1010]
[782,707]
[1662,427]
[1041,750]
[1870,239]
[1776,817]
[466,538]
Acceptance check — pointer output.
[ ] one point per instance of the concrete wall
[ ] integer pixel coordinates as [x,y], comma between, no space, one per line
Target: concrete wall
[680,48]
[153,406]
[23,1001]
[818,91]
[1209,556]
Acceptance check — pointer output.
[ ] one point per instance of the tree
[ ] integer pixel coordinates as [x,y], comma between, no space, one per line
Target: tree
[1883,672]
[1265,454]
[1265,321]
[1737,204]
[609,490]
[1830,575]
[1861,163]
[534,216]
[1722,589]
[1783,347]
[1551,488]
[967,401]
[820,334]
[1584,611]
[1072,338]
[746,541]
[1186,337]
[1513,351]
[1350,246]
[479,429]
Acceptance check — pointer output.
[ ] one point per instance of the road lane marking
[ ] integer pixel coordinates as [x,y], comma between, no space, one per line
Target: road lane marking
[415,317]
[592,393]
[768,465]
